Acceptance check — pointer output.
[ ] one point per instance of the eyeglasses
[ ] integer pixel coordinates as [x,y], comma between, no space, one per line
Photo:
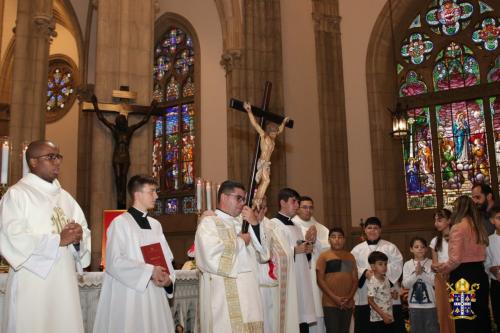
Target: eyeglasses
[50,157]
[238,197]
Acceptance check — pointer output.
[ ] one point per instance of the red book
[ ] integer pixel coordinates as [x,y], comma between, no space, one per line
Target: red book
[153,255]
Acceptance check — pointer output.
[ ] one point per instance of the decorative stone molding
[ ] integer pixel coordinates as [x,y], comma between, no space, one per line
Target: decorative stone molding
[156,6]
[326,23]
[45,26]
[229,58]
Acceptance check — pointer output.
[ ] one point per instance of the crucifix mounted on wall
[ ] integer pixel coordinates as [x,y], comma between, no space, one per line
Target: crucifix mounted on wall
[122,132]
[260,176]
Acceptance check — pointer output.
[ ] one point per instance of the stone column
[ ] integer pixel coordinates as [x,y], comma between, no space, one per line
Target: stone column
[334,157]
[33,32]
[124,57]
[259,60]
[1,23]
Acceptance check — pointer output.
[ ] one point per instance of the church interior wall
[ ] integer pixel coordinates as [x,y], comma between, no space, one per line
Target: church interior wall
[303,157]
[204,18]
[64,131]
[8,23]
[356,27]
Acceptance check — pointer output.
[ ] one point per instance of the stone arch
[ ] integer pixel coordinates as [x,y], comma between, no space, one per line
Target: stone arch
[230,14]
[390,204]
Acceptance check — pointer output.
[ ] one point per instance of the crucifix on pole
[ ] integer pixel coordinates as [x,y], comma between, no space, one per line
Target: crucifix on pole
[122,132]
[261,165]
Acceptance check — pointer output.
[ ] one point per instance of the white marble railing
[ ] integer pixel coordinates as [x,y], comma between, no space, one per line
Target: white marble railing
[184,305]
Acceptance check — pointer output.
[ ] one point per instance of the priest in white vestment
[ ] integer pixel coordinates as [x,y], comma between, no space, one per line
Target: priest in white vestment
[229,291]
[40,224]
[301,250]
[373,230]
[276,276]
[134,293]
[312,229]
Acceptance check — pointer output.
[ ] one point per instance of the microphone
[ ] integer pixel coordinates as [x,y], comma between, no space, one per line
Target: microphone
[77,246]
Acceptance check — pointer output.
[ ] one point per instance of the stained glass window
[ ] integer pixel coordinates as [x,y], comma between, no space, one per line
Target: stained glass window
[174,140]
[439,169]
[61,88]
[456,67]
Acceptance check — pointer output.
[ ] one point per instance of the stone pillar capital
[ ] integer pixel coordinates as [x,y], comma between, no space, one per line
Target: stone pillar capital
[229,59]
[326,23]
[45,26]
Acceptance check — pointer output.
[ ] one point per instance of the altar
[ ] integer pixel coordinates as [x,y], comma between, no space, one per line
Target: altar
[184,305]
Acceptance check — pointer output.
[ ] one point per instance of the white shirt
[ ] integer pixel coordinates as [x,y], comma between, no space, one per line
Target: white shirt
[442,254]
[421,294]
[492,253]
[381,293]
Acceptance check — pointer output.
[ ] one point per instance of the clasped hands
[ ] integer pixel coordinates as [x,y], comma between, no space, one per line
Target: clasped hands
[160,277]
[71,233]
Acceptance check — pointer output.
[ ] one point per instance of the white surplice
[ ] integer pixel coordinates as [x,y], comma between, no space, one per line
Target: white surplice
[301,267]
[394,265]
[130,301]
[277,279]
[321,245]
[229,291]
[42,288]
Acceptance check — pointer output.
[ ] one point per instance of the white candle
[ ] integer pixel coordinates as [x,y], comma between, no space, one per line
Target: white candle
[199,186]
[209,195]
[217,195]
[5,163]
[25,164]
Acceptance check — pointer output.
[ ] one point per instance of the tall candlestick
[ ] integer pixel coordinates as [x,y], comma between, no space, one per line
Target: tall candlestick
[5,162]
[217,195]
[209,195]
[199,186]
[25,163]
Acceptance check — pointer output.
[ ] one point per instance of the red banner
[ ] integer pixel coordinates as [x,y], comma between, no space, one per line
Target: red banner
[107,217]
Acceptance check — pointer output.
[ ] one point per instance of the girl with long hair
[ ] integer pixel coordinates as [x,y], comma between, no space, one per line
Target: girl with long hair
[439,248]
[466,253]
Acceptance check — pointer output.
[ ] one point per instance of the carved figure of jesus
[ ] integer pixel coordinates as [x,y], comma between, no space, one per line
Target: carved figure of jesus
[267,143]
[122,133]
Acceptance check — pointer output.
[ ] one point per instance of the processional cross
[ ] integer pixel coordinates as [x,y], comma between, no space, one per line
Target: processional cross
[121,131]
[261,166]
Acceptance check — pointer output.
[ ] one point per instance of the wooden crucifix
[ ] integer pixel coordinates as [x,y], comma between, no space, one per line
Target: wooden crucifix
[122,133]
[261,166]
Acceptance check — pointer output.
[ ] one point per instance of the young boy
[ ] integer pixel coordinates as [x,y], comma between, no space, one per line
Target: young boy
[492,263]
[418,277]
[380,295]
[337,277]
[373,232]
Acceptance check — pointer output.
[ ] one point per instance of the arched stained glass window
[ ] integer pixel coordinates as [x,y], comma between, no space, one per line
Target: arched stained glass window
[448,72]
[174,132]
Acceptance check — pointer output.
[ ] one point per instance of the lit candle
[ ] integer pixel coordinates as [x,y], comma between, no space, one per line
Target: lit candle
[209,195]
[199,186]
[25,164]
[5,162]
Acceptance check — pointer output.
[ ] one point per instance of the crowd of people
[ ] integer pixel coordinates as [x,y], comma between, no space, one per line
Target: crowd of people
[291,274]
[285,274]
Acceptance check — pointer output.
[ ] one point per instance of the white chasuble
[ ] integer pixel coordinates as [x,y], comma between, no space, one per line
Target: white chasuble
[42,288]
[321,245]
[229,292]
[130,302]
[277,279]
[394,265]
